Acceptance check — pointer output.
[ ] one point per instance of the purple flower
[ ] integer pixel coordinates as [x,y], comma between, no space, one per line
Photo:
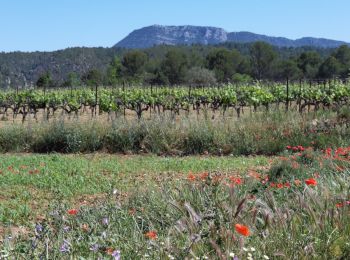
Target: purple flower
[94,247]
[38,228]
[66,228]
[65,247]
[105,221]
[116,254]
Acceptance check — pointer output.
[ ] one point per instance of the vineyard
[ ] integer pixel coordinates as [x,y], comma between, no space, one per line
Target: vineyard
[99,100]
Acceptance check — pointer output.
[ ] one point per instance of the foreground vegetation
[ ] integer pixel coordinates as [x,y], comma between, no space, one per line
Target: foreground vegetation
[296,206]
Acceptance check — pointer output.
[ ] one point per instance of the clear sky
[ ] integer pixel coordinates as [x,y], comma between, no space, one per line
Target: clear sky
[30,25]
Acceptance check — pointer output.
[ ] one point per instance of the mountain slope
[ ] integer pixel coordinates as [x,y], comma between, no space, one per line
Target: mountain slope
[172,35]
[186,35]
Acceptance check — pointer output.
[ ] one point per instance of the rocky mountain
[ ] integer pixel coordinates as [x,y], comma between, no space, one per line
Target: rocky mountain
[187,35]
[173,35]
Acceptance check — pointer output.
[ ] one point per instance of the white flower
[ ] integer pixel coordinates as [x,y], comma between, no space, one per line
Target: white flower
[252,249]
[245,249]
[266,257]
[232,255]
[249,255]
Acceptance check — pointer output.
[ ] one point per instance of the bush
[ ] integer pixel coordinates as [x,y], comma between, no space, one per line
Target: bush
[59,137]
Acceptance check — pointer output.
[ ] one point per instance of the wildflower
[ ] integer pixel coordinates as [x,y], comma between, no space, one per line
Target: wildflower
[204,176]
[233,256]
[116,254]
[266,257]
[38,228]
[105,221]
[243,230]
[191,177]
[235,180]
[339,205]
[66,228]
[151,235]
[94,247]
[252,249]
[311,182]
[72,212]
[279,185]
[65,247]
[287,185]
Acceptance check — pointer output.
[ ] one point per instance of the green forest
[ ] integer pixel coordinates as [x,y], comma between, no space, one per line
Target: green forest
[195,65]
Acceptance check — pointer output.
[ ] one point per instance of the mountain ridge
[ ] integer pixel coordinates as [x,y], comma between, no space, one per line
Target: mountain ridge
[189,34]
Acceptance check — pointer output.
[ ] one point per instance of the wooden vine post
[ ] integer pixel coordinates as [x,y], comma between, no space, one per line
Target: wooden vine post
[287,98]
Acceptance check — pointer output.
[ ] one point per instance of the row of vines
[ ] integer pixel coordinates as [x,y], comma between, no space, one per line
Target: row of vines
[160,99]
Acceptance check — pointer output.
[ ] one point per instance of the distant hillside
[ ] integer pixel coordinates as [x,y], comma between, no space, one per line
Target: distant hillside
[24,68]
[185,35]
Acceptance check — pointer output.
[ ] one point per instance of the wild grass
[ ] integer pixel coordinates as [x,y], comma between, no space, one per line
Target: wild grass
[298,208]
[262,133]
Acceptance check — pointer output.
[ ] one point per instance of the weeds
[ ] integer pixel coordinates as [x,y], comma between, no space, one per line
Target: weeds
[267,133]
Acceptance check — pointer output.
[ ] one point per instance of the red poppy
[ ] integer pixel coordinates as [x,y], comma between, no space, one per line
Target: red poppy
[204,175]
[287,185]
[191,177]
[72,212]
[151,235]
[339,205]
[235,180]
[242,229]
[311,182]
[279,185]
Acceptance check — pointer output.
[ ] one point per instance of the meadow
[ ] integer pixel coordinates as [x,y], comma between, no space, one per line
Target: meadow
[239,181]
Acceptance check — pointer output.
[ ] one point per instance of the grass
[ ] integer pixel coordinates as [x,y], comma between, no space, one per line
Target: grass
[29,182]
[295,206]
[258,134]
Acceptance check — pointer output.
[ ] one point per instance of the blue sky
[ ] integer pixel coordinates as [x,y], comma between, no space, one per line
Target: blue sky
[30,25]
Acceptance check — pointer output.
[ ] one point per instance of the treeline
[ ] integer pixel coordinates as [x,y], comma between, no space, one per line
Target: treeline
[196,65]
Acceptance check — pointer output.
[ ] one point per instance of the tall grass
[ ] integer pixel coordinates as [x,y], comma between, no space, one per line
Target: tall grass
[265,133]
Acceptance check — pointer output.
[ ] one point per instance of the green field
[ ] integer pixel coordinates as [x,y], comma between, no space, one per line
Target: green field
[101,205]
[29,182]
